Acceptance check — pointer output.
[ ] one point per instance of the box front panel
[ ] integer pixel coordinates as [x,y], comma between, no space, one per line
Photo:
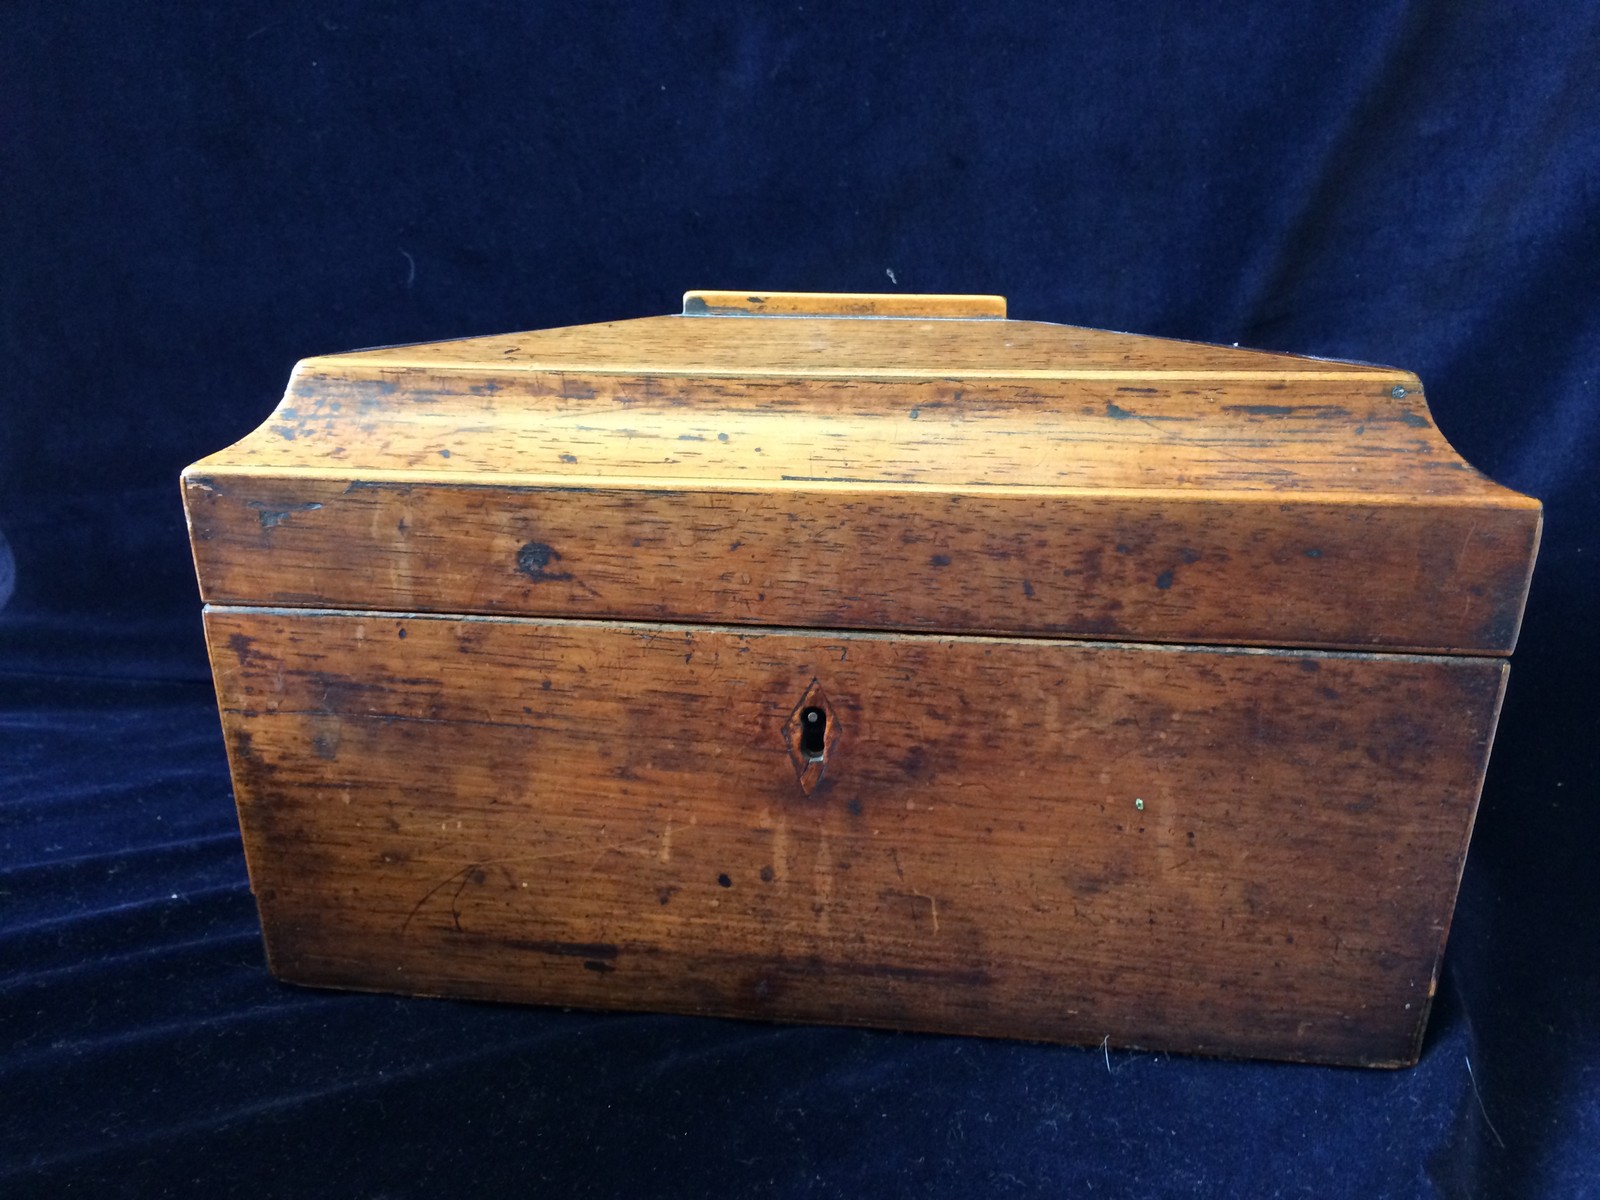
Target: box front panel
[1223,851]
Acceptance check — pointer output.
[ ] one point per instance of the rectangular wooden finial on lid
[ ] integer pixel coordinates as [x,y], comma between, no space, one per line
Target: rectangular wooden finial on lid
[842,304]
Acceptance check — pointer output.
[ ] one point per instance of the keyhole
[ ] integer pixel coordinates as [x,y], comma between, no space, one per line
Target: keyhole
[813,732]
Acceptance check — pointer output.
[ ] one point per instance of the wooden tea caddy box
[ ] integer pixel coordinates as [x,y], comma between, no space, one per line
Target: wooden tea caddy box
[865,659]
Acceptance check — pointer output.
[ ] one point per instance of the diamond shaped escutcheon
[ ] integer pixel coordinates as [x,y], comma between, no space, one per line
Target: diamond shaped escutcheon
[808,750]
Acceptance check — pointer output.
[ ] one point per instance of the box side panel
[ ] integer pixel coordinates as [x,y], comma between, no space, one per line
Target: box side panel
[1363,573]
[1229,852]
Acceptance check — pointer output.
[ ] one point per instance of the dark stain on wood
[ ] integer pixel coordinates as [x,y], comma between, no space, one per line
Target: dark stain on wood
[534,561]
[240,644]
[1261,410]
[596,950]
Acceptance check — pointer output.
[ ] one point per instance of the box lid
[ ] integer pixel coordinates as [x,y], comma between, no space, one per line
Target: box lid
[870,462]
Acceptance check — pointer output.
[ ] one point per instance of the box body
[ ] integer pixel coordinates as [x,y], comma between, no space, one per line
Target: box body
[1150,687]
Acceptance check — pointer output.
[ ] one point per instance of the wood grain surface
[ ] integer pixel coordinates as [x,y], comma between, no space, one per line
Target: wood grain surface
[865,659]
[1360,574]
[1311,436]
[887,348]
[1221,851]
[838,304]
[956,475]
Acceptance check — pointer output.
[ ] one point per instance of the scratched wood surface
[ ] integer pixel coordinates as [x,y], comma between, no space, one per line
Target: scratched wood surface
[966,475]
[1281,432]
[1211,850]
[1332,574]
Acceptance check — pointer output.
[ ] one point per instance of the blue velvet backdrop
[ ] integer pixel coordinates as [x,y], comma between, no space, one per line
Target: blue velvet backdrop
[197,195]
